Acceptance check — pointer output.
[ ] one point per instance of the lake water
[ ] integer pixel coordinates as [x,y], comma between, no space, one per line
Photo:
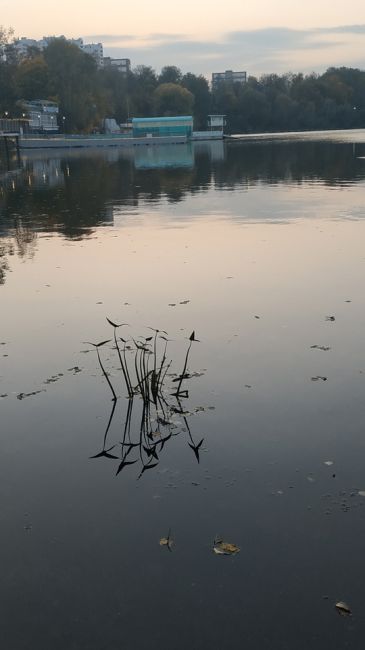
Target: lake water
[257,246]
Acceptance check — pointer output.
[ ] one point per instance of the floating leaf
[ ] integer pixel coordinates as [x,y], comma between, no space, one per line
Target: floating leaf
[167,541]
[225,548]
[325,348]
[343,609]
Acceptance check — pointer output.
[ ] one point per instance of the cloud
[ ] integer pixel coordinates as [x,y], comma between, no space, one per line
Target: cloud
[258,51]
[121,38]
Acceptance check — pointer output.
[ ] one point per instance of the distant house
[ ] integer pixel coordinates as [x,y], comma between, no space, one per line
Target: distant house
[229,76]
[122,65]
[144,127]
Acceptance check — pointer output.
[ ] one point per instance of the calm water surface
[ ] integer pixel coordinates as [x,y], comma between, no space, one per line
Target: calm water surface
[265,240]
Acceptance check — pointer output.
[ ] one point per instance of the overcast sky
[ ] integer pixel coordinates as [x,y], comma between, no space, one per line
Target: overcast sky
[259,36]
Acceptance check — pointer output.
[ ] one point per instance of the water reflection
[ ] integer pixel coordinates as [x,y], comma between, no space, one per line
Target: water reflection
[74,192]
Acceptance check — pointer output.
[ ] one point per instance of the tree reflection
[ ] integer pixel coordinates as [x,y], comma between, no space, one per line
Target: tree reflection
[73,193]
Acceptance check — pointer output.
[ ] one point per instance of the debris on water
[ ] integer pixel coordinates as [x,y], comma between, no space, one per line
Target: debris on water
[28,527]
[184,302]
[258,317]
[343,608]
[225,548]
[330,318]
[325,348]
[167,541]
[99,303]
[75,370]
[35,392]
[3,395]
[53,379]
[348,300]
[311,479]
[248,386]
[172,304]
[361,493]
[328,462]
[319,378]
[195,483]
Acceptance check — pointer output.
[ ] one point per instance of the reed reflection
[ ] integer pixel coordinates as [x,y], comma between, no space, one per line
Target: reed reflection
[154,413]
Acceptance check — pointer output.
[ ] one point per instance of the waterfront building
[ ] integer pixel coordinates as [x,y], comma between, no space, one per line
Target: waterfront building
[148,127]
[42,115]
[229,77]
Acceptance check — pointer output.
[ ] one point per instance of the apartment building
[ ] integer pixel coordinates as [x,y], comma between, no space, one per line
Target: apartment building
[228,77]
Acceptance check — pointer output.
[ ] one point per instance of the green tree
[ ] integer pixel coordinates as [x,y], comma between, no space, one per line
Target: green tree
[170,74]
[172,99]
[199,87]
[74,82]
[32,78]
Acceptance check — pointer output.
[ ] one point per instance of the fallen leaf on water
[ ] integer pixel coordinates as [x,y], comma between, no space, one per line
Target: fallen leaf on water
[225,548]
[325,348]
[343,609]
[167,541]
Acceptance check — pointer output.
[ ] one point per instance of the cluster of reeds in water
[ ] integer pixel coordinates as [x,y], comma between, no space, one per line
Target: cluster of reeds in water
[144,368]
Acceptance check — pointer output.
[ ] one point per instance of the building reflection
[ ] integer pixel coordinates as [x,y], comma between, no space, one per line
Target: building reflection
[75,191]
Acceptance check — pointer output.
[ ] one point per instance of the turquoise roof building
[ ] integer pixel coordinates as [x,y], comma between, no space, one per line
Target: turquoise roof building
[147,127]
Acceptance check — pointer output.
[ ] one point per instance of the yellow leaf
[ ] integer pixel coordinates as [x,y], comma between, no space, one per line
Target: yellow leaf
[166,541]
[343,609]
[225,548]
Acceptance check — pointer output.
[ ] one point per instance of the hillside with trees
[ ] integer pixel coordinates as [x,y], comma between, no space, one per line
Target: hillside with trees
[86,94]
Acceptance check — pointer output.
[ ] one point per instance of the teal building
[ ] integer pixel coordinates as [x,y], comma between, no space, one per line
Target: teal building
[148,127]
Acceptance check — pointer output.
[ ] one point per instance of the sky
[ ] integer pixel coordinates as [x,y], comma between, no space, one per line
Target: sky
[259,36]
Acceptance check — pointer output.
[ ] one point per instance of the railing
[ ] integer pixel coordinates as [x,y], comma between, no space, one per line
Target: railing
[13,126]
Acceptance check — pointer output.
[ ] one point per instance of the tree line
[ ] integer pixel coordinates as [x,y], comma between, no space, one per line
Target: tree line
[86,94]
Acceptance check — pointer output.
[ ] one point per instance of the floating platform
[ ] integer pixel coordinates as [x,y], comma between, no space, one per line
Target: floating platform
[92,141]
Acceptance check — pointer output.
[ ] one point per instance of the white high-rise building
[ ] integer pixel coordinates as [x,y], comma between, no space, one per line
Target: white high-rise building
[23,45]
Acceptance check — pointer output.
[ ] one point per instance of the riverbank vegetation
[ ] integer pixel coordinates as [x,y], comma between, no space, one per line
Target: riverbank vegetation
[86,94]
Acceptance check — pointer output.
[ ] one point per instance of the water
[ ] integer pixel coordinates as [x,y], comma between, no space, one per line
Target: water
[264,238]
